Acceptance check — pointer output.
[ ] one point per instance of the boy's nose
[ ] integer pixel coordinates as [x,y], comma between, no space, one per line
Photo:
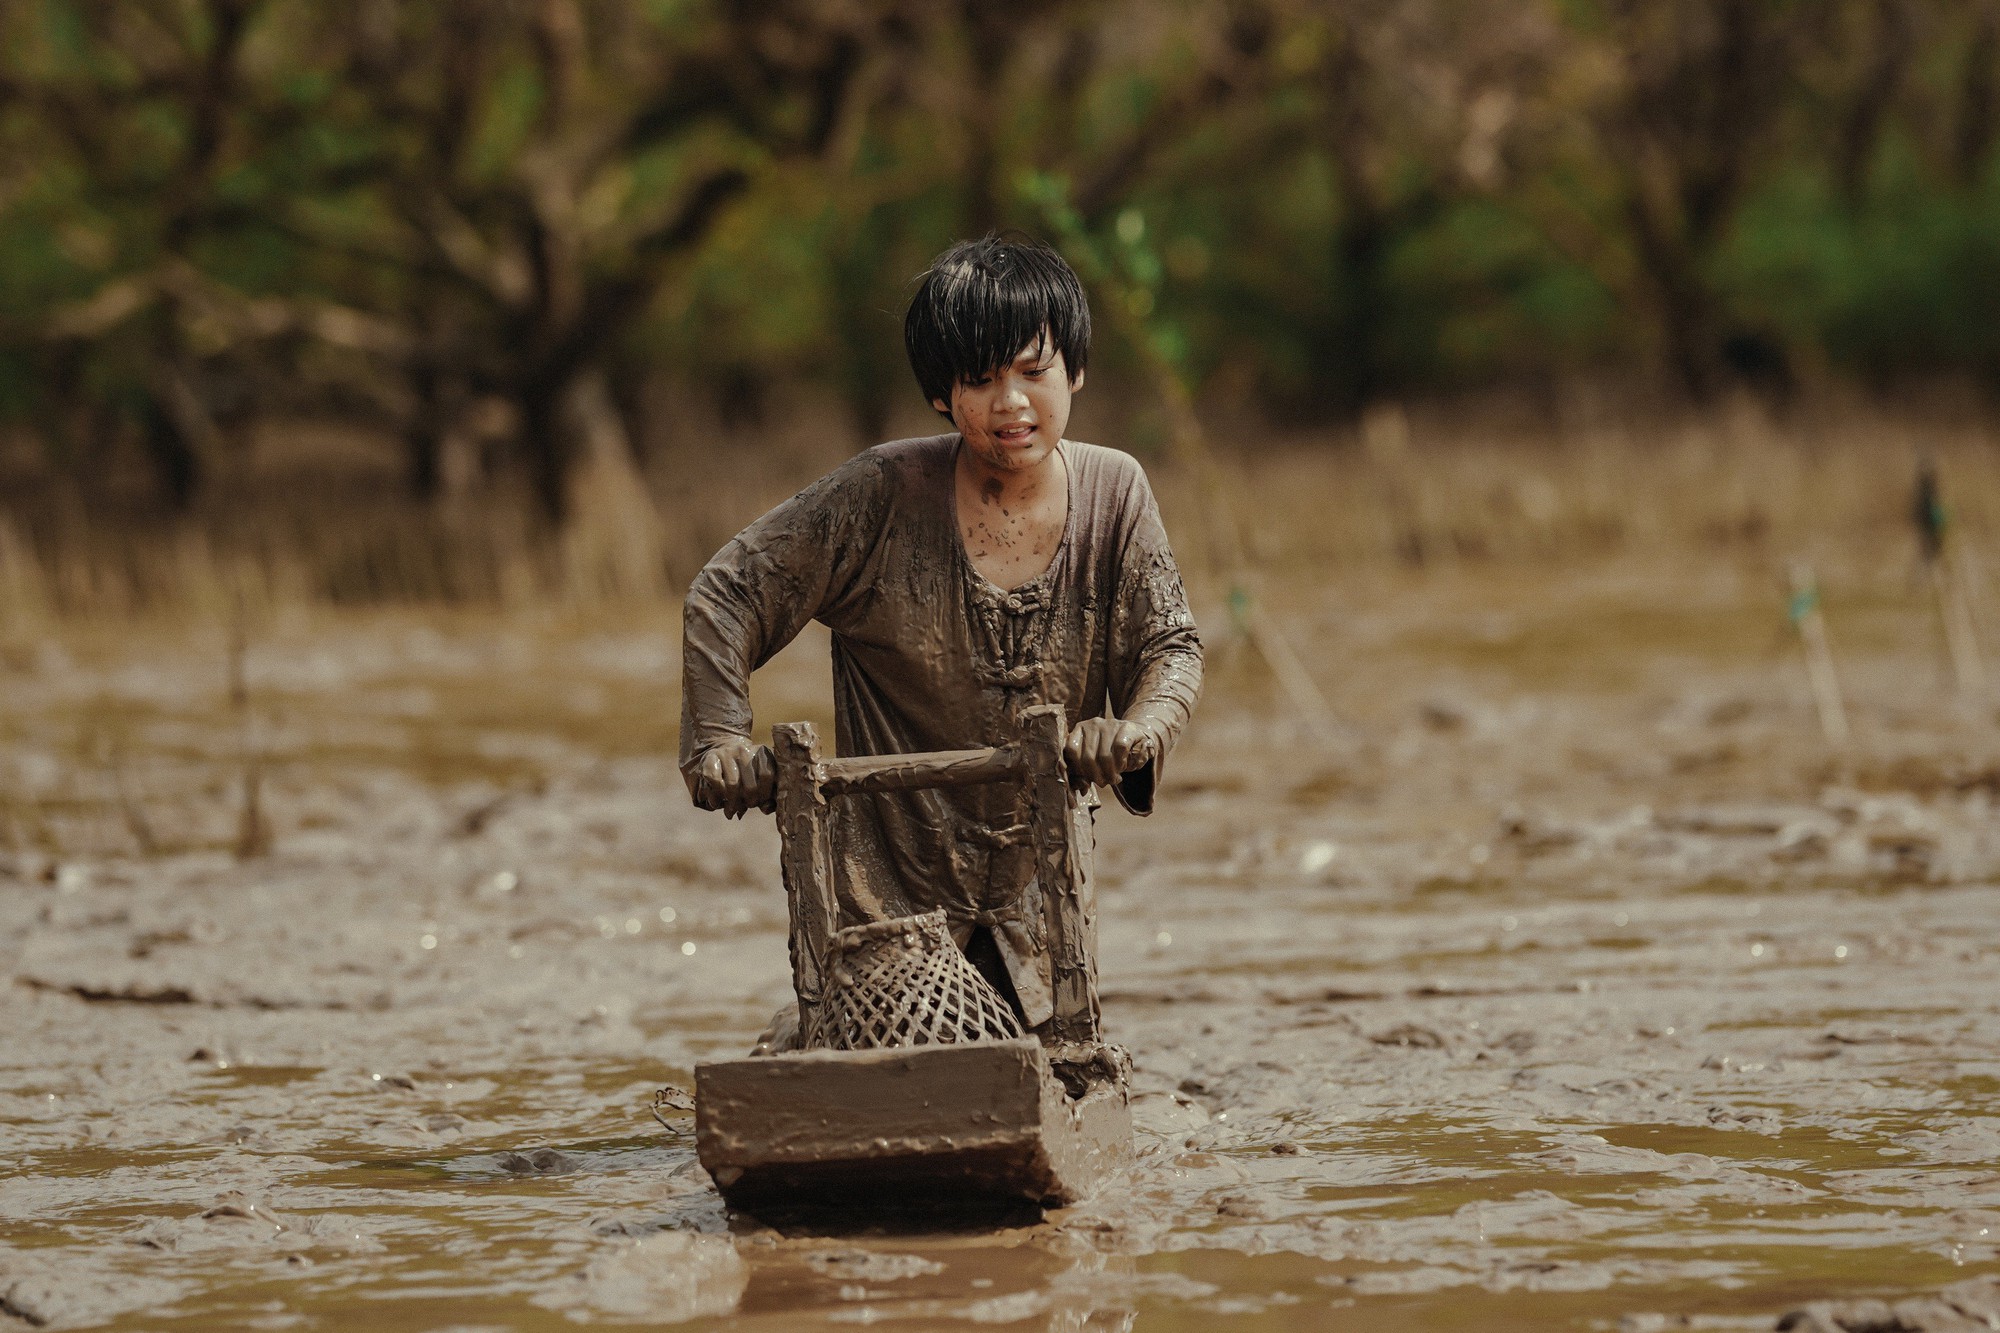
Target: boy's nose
[1013,393]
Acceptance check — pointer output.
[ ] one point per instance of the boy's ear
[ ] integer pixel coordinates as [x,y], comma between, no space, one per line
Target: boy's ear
[1077,382]
[942,406]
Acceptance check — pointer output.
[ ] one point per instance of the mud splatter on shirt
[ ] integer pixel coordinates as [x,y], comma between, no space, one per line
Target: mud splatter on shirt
[930,655]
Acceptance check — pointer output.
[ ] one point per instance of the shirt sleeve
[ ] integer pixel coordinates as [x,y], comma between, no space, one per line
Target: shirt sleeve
[1155,675]
[793,565]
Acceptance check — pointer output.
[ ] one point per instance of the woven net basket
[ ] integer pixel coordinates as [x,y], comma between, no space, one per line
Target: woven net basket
[904,983]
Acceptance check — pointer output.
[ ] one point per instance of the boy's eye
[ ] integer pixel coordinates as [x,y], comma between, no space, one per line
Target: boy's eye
[978,381]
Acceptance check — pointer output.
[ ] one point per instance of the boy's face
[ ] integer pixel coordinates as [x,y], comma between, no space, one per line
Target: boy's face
[1011,420]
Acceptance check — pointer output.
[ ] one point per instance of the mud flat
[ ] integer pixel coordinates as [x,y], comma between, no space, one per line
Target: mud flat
[1577,984]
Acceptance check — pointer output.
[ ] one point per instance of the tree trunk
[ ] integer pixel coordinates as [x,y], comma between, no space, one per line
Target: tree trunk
[1976,101]
[1890,45]
[1685,309]
[423,437]
[1361,236]
[870,372]
[546,450]
[176,467]
[1356,352]
[992,38]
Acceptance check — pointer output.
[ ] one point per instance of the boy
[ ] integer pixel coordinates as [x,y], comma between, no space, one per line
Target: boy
[964,576]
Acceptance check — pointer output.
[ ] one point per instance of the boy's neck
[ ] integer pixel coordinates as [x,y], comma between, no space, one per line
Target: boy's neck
[1010,486]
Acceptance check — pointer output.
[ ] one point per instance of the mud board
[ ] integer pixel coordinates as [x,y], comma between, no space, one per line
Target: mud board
[981,1121]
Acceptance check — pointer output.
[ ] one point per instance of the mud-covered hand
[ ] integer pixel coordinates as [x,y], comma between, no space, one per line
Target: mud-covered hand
[1102,748]
[736,777]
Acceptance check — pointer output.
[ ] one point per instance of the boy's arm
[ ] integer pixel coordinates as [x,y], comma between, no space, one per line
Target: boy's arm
[1155,650]
[753,598]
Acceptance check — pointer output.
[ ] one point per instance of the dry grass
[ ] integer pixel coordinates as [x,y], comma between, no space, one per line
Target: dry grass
[1831,485]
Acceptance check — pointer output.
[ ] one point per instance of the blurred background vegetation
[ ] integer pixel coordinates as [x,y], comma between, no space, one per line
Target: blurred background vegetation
[448,298]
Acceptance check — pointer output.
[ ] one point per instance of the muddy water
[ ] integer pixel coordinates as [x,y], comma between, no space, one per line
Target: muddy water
[1574,982]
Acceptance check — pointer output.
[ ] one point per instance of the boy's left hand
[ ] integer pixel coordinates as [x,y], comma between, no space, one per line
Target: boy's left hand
[1100,749]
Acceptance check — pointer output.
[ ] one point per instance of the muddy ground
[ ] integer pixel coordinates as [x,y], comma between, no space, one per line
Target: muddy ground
[1571,981]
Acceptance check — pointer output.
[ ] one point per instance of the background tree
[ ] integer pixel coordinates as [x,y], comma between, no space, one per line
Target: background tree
[530,223]
[542,167]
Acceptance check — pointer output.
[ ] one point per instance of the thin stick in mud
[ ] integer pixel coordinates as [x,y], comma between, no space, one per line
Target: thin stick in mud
[1810,622]
[1954,609]
[253,830]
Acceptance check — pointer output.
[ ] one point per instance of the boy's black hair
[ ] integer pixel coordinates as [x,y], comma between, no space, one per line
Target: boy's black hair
[981,302]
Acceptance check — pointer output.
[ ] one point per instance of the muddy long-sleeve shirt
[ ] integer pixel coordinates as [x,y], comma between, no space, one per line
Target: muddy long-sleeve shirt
[930,655]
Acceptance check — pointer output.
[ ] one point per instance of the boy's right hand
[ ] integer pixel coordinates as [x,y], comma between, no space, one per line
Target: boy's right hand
[736,777]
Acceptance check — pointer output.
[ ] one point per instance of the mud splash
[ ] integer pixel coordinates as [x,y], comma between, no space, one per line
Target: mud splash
[1579,986]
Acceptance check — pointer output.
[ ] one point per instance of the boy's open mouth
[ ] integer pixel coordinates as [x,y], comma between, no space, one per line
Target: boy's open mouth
[1019,433]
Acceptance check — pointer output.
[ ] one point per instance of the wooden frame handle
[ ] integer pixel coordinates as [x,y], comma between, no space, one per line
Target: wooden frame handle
[1035,759]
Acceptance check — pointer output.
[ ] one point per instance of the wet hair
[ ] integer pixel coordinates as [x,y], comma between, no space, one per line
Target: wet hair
[981,303]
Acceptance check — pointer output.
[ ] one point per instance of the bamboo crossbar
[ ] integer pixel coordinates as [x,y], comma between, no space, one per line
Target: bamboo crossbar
[902,772]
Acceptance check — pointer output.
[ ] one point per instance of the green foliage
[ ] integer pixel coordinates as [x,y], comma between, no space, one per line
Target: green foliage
[405,212]
[1489,297]
[1905,283]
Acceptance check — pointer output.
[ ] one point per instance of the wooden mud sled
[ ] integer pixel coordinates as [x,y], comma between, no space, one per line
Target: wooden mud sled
[917,1089]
